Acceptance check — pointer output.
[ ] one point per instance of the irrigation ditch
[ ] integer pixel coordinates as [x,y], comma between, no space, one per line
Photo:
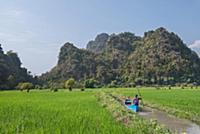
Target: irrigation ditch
[149,120]
[114,105]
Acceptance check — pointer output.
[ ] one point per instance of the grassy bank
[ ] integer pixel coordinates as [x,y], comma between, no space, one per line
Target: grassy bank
[111,101]
[184,103]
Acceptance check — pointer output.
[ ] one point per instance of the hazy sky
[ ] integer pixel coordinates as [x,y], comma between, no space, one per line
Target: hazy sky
[36,29]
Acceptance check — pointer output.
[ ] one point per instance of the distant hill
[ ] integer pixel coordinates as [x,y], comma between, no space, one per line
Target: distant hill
[160,57]
[11,72]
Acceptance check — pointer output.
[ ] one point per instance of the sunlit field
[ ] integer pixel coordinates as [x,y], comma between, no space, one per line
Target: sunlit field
[184,103]
[80,112]
[60,112]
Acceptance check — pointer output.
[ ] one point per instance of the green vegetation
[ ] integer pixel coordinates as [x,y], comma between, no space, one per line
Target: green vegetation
[25,86]
[90,83]
[99,43]
[92,111]
[183,103]
[160,58]
[11,72]
[113,103]
[61,112]
[69,84]
[125,60]
[117,60]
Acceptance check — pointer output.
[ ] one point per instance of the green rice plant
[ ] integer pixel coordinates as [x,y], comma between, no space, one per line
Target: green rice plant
[54,113]
[112,102]
[183,103]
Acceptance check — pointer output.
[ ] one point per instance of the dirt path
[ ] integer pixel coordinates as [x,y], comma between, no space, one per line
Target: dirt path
[173,123]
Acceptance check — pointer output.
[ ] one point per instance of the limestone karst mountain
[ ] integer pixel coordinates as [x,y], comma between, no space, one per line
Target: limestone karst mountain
[159,57]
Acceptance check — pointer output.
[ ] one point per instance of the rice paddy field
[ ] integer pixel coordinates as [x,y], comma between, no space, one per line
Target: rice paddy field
[77,112]
[60,112]
[184,103]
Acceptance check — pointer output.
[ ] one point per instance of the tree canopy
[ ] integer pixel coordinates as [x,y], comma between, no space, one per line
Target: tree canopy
[11,72]
[70,83]
[160,57]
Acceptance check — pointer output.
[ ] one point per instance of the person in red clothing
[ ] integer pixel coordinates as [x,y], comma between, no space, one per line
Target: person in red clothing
[136,100]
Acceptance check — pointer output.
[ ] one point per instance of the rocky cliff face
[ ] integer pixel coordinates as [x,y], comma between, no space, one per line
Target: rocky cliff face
[99,44]
[160,57]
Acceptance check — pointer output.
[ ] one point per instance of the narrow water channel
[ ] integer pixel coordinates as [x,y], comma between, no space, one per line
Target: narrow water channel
[173,123]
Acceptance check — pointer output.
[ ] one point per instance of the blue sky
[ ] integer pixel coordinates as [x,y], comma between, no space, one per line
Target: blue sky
[36,29]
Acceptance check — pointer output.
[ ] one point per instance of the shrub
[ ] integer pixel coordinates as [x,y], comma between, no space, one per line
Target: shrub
[25,86]
[113,83]
[55,86]
[55,90]
[69,84]
[45,87]
[157,87]
[38,87]
[190,85]
[183,85]
[90,83]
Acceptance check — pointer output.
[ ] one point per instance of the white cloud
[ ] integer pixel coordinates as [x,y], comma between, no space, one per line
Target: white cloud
[196,44]
[195,47]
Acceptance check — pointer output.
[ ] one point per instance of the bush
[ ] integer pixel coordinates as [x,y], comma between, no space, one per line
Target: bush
[55,90]
[19,86]
[45,87]
[38,87]
[190,85]
[69,84]
[183,85]
[157,87]
[78,85]
[25,86]
[54,86]
[90,83]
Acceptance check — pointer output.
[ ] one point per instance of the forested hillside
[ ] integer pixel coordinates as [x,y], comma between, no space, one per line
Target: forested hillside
[11,72]
[159,57]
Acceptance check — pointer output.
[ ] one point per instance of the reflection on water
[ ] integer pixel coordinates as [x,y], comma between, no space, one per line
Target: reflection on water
[174,124]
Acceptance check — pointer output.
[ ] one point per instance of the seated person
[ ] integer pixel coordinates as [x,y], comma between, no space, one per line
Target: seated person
[127,101]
